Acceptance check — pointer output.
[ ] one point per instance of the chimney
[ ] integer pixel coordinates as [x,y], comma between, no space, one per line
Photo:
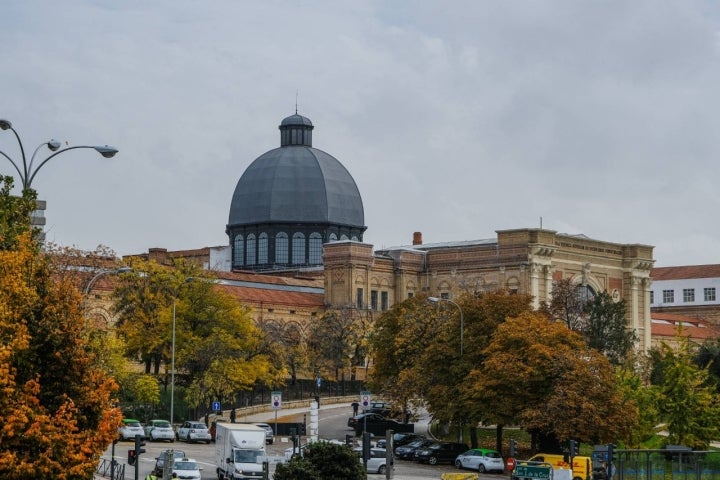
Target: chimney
[417,238]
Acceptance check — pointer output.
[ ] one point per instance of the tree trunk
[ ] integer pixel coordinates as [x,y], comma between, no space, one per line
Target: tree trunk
[498,438]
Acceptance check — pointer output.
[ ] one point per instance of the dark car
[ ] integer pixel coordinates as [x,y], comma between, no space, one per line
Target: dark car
[441,452]
[407,452]
[377,424]
[383,408]
[400,439]
[360,420]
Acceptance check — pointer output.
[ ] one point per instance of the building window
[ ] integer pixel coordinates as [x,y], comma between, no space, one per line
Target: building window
[709,293]
[384,300]
[315,249]
[263,249]
[652,296]
[251,258]
[360,298]
[373,299]
[281,248]
[333,237]
[239,250]
[668,296]
[411,294]
[688,295]
[298,248]
[445,295]
[354,238]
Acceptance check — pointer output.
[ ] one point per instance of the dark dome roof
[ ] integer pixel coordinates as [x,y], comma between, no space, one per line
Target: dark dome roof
[296,184]
[296,120]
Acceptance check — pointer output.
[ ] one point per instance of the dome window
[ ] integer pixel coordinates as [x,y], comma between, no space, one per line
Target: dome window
[298,248]
[281,248]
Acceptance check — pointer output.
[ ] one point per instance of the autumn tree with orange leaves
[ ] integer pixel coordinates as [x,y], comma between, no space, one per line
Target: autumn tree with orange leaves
[56,404]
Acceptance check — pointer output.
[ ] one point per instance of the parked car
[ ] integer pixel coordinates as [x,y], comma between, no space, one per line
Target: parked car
[481,459]
[400,439]
[130,428]
[440,452]
[160,459]
[377,463]
[269,434]
[360,419]
[407,452]
[187,468]
[159,430]
[383,408]
[194,432]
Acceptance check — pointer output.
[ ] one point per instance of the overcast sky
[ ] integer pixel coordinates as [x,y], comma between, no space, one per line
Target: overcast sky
[456,118]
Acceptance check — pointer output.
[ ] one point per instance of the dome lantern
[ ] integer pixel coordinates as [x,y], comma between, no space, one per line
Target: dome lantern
[296,130]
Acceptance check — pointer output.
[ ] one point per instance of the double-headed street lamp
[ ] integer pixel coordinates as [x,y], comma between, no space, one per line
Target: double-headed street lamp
[462,321]
[29,170]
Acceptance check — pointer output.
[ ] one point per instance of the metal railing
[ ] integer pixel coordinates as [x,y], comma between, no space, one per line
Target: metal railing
[667,465]
[105,469]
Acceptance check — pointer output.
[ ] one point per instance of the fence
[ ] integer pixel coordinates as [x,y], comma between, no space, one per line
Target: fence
[667,465]
[105,469]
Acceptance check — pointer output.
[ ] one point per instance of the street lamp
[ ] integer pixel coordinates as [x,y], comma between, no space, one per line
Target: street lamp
[28,172]
[462,321]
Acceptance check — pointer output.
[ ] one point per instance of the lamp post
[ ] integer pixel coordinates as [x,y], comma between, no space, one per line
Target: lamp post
[28,172]
[462,321]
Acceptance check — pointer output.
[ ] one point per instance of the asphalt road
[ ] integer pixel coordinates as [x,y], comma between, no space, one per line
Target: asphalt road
[333,425]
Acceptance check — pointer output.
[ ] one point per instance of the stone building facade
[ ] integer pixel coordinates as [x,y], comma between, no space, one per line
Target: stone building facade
[522,260]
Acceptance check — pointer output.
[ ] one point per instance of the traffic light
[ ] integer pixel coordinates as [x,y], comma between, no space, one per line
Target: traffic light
[513,448]
[139,443]
[132,458]
[574,448]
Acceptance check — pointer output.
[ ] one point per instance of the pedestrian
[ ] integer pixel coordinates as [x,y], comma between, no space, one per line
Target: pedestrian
[355,406]
[151,476]
[207,418]
[232,416]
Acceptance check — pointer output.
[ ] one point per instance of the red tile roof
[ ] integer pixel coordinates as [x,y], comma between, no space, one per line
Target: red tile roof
[260,296]
[665,325]
[686,271]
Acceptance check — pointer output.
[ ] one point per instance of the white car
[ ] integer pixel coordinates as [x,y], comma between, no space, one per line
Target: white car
[159,430]
[194,432]
[481,459]
[377,463]
[269,434]
[187,469]
[130,428]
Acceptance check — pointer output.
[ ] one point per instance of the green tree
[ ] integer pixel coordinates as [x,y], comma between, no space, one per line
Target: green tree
[689,403]
[15,213]
[218,349]
[605,328]
[323,461]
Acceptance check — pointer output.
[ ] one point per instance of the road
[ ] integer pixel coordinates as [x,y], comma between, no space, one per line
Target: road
[333,425]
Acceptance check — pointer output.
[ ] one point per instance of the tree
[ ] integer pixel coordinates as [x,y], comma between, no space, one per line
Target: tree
[323,461]
[567,304]
[688,403]
[218,349]
[542,376]
[605,328]
[15,213]
[334,338]
[56,407]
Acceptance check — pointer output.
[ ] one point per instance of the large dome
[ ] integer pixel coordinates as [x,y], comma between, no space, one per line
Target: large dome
[296,184]
[295,188]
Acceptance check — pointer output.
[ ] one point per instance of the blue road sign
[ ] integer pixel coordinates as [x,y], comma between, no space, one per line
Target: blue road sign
[216,406]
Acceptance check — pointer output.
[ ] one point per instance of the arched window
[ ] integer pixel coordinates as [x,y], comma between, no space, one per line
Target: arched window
[354,238]
[251,250]
[343,237]
[263,249]
[315,249]
[281,248]
[239,250]
[298,248]
[333,237]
